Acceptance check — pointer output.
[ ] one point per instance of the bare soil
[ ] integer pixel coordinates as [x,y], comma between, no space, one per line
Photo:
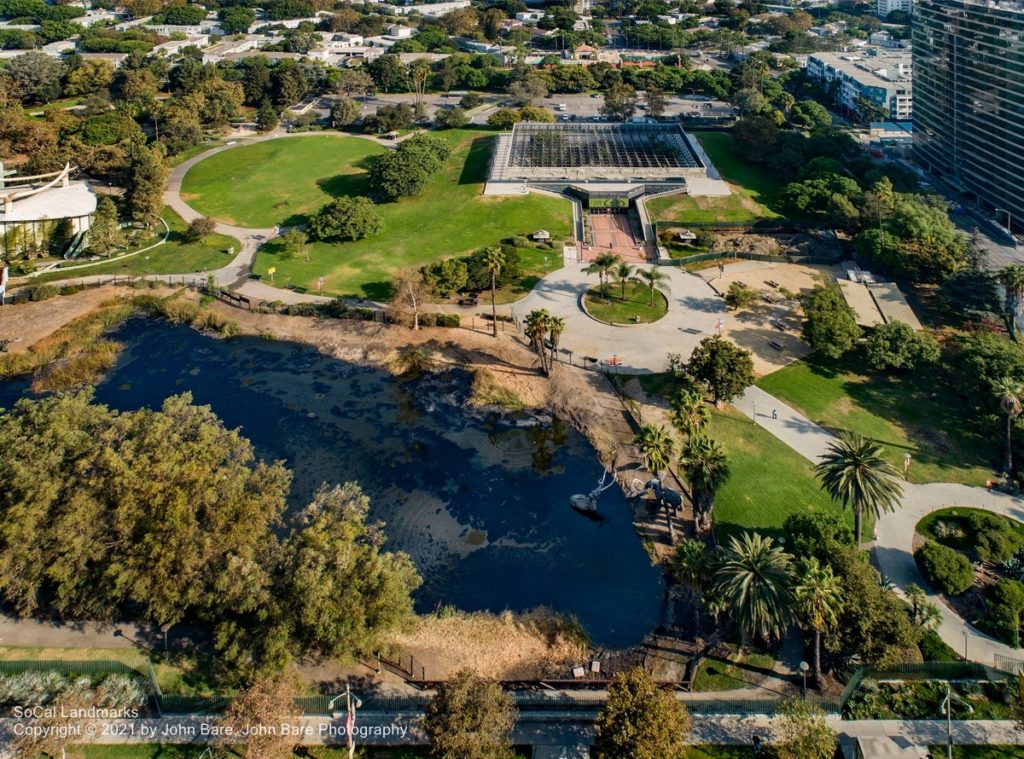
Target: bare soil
[27,323]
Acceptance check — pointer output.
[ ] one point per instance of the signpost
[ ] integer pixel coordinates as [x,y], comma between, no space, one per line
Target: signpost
[271,271]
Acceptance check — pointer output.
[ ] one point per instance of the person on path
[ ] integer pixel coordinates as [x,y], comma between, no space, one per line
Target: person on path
[775,413]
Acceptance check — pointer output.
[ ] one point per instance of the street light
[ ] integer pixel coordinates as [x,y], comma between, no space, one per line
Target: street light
[965,645]
[947,704]
[804,667]
[1009,219]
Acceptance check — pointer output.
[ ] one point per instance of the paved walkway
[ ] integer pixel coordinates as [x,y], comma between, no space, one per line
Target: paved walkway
[893,546]
[694,308]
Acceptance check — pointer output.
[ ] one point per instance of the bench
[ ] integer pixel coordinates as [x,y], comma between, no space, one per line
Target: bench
[776,345]
[772,283]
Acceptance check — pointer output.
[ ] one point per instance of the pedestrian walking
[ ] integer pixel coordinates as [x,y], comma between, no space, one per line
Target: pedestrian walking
[775,414]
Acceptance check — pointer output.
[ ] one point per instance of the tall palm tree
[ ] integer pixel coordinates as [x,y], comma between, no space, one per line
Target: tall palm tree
[653,277]
[538,323]
[690,415]
[856,474]
[556,326]
[819,599]
[1012,279]
[602,266]
[656,446]
[706,468]
[1010,392]
[622,272]
[754,578]
[690,564]
[494,260]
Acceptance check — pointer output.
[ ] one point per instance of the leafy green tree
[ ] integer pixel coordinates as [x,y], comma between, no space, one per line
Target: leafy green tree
[267,117]
[406,171]
[236,19]
[755,137]
[830,327]
[388,73]
[89,77]
[706,468]
[817,534]
[810,115]
[856,474]
[137,84]
[690,415]
[147,176]
[620,102]
[640,721]
[345,112]
[105,235]
[724,367]
[201,228]
[470,717]
[603,266]
[895,345]
[452,118]
[504,118]
[656,447]
[804,732]
[657,101]
[755,579]
[653,278]
[295,241]
[1012,280]
[447,276]
[34,77]
[179,127]
[1010,392]
[268,700]
[494,260]
[741,296]
[354,83]
[340,586]
[346,218]
[818,599]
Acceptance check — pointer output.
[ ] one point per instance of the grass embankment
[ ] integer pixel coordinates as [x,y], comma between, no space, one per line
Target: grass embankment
[739,671]
[79,353]
[634,308]
[755,189]
[487,391]
[178,255]
[76,354]
[450,217]
[915,413]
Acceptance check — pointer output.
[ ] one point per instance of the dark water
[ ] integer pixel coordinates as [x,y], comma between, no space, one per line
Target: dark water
[480,501]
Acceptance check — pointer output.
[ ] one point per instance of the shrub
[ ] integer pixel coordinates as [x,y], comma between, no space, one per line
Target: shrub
[516,241]
[71,289]
[945,568]
[448,320]
[897,346]
[995,539]
[741,296]
[43,292]
[1005,604]
[933,648]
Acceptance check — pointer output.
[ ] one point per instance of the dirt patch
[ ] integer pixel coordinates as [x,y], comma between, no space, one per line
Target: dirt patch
[27,323]
[505,646]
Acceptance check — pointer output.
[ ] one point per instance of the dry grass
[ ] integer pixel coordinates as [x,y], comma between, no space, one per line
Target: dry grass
[488,391]
[504,646]
[74,355]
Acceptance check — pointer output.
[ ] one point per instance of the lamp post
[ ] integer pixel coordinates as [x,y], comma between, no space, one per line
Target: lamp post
[804,667]
[947,703]
[1009,219]
[965,645]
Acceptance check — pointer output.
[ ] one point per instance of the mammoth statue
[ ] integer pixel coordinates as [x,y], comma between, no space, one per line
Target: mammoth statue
[587,502]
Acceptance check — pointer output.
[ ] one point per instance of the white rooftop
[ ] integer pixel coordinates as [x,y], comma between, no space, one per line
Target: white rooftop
[77,199]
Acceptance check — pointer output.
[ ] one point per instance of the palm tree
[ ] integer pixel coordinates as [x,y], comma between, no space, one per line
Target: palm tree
[653,277]
[494,260]
[706,468]
[819,600]
[622,272]
[690,415]
[754,579]
[922,613]
[538,323]
[556,326]
[690,564]
[1012,279]
[1010,391]
[856,474]
[602,267]
[656,447]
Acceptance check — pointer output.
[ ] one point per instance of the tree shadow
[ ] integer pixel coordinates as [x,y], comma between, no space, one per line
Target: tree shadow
[342,185]
[379,291]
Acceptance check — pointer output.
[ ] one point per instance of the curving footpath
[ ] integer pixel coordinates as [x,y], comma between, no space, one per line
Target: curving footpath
[893,546]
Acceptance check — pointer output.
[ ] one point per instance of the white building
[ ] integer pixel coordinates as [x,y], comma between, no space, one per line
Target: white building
[430,10]
[173,47]
[882,76]
[32,205]
[885,7]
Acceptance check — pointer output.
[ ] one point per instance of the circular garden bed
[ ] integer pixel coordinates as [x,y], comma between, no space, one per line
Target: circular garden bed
[975,560]
[631,304]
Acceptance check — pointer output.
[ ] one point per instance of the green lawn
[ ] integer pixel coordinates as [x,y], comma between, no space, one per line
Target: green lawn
[448,218]
[768,481]
[915,413]
[737,672]
[278,181]
[535,263]
[176,256]
[755,189]
[635,308]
